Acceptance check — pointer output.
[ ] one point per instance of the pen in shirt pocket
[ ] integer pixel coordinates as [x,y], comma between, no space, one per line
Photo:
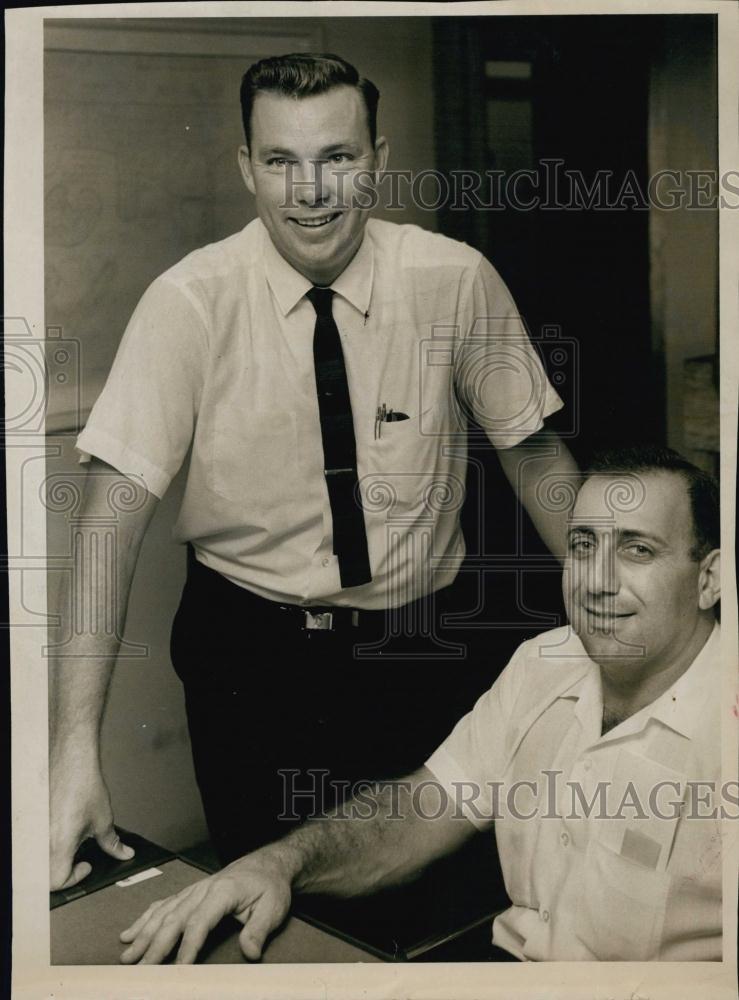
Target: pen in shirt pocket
[385,415]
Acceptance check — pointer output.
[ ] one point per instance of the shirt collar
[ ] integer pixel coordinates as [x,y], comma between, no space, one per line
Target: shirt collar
[680,707]
[289,286]
[355,282]
[588,694]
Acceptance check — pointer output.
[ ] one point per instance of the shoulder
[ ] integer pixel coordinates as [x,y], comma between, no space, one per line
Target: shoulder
[558,650]
[411,245]
[429,266]
[208,279]
[219,259]
[544,667]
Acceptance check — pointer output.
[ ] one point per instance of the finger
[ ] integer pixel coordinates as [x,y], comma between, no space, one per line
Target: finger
[190,896]
[197,928]
[265,915]
[209,909]
[81,870]
[130,932]
[111,843]
[146,928]
[144,936]
[192,941]
[166,937]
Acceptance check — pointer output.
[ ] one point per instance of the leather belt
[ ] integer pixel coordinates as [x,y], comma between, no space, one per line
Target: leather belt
[320,618]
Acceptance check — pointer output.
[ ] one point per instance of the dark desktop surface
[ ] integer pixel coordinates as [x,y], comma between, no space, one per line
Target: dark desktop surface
[445,914]
[454,896]
[107,870]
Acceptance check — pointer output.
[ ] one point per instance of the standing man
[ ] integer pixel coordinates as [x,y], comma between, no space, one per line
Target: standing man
[327,463]
[596,755]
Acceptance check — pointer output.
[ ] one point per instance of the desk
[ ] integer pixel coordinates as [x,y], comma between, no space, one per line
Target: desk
[85,931]
[436,918]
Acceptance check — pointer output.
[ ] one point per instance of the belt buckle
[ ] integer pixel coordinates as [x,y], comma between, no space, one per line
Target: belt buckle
[321,620]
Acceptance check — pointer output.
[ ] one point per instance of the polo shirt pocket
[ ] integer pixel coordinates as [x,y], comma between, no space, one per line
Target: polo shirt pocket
[621,906]
[254,461]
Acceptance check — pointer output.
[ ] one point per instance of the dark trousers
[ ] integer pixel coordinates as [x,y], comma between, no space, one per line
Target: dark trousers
[283,720]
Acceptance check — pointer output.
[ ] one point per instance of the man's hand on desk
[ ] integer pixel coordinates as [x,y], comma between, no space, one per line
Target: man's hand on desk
[79,808]
[345,858]
[255,889]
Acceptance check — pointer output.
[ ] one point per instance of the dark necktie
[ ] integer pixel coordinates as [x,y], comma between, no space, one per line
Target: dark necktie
[339,445]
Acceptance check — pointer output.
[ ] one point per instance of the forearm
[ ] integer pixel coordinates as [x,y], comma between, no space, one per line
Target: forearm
[349,857]
[346,855]
[82,664]
[545,477]
[343,855]
[91,601]
[78,694]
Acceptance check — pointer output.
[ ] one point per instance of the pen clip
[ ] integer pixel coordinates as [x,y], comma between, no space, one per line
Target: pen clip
[379,417]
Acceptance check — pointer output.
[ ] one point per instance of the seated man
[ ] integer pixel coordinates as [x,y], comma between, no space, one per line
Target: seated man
[594,754]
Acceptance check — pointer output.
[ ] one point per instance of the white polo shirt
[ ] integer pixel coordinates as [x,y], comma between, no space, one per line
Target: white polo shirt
[641,881]
[218,357]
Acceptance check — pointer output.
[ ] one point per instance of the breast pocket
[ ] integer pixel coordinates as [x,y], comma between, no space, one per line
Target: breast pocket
[621,909]
[254,460]
[407,475]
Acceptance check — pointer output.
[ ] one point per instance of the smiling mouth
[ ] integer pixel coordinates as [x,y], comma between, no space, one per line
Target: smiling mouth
[608,615]
[317,221]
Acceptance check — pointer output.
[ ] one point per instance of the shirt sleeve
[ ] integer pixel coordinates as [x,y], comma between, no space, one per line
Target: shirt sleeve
[143,421]
[472,760]
[499,377]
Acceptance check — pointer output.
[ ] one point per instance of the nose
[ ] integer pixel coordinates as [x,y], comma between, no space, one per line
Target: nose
[309,183]
[602,570]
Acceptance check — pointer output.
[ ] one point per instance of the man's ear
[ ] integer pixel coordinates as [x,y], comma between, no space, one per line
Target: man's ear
[709,580]
[382,151]
[245,168]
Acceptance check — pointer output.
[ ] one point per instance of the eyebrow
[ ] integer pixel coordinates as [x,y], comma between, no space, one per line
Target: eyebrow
[627,535]
[336,146]
[326,151]
[624,534]
[274,151]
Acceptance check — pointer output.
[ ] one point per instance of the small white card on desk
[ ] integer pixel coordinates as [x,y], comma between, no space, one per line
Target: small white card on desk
[139,877]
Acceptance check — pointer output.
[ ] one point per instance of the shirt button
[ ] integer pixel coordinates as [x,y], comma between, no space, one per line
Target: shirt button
[565,838]
[325,562]
[545,916]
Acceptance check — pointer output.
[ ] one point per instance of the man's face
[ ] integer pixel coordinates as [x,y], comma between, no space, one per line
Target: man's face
[305,158]
[630,587]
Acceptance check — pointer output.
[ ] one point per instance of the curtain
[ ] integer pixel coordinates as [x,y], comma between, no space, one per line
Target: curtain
[459,121]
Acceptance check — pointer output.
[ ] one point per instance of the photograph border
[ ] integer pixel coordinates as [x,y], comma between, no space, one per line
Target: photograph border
[33,977]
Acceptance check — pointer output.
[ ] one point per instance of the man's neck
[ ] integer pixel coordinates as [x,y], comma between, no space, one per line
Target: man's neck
[625,693]
[324,276]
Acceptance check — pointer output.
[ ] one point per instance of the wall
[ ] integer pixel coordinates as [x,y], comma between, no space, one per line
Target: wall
[141,128]
[141,134]
[395,53]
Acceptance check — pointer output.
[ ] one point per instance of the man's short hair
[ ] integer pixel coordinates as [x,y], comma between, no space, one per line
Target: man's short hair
[703,490]
[302,74]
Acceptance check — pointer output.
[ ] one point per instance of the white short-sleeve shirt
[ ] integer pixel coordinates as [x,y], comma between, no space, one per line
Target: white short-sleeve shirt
[600,858]
[218,357]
